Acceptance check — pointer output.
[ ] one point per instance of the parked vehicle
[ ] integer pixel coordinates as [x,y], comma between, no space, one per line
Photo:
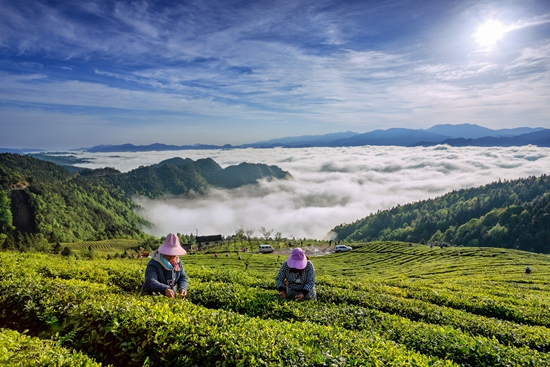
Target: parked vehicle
[266,249]
[342,248]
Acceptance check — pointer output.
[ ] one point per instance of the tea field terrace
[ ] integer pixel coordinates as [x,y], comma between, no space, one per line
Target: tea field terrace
[381,304]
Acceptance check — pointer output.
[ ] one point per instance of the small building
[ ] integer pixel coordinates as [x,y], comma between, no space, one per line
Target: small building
[216,239]
[187,247]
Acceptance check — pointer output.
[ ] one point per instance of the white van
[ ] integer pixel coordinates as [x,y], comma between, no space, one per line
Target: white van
[342,248]
[266,249]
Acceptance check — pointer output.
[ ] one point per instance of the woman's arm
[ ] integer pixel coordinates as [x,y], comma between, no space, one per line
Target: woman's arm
[281,276]
[183,280]
[152,279]
[309,277]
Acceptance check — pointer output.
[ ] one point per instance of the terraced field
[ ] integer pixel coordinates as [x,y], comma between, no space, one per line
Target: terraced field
[106,247]
[382,304]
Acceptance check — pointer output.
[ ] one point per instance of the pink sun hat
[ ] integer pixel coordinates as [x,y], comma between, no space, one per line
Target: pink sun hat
[297,259]
[171,246]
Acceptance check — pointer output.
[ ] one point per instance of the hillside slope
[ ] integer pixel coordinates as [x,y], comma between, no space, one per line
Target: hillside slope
[510,214]
[43,201]
[40,200]
[178,176]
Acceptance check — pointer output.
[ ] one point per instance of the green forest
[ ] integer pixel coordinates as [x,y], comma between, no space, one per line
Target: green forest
[178,176]
[43,203]
[510,214]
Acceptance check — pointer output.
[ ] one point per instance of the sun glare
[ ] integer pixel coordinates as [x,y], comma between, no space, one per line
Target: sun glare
[489,33]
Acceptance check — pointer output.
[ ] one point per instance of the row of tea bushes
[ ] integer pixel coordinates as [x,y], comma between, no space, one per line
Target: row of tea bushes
[18,349]
[244,293]
[132,330]
[507,332]
[505,306]
[438,340]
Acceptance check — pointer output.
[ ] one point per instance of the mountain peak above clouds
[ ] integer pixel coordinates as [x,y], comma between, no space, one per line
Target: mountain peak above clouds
[393,136]
[296,141]
[461,134]
[539,138]
[471,131]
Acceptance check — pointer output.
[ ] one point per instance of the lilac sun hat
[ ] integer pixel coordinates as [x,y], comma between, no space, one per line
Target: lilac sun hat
[171,246]
[297,259]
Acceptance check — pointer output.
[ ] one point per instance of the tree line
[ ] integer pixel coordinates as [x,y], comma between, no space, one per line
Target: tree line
[506,213]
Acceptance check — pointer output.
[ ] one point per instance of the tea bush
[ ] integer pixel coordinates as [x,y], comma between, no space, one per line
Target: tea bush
[382,304]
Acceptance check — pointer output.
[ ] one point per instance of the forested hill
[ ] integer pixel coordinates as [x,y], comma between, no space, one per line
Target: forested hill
[510,214]
[42,201]
[178,176]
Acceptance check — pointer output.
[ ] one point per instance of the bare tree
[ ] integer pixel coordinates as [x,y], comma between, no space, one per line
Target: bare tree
[239,233]
[249,232]
[266,233]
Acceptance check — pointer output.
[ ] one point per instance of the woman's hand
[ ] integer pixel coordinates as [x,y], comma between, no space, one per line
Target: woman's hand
[299,297]
[282,294]
[169,293]
[182,293]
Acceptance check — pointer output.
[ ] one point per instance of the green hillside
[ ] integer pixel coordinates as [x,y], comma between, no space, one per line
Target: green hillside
[178,176]
[511,214]
[382,304]
[156,181]
[42,203]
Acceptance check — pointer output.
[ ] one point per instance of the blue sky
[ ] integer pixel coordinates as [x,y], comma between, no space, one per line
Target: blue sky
[83,73]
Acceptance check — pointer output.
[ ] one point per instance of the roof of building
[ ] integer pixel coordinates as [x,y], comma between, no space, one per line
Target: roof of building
[212,238]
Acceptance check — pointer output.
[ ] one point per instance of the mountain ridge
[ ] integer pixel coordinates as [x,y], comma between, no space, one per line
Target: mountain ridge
[453,135]
[539,138]
[438,134]
[43,200]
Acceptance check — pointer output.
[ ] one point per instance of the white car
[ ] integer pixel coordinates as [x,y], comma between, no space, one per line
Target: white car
[342,248]
[266,249]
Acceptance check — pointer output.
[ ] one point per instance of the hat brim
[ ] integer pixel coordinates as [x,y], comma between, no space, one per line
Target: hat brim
[172,251]
[297,264]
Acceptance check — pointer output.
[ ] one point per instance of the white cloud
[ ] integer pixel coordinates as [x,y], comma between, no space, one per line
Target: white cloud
[533,22]
[330,186]
[532,57]
[448,72]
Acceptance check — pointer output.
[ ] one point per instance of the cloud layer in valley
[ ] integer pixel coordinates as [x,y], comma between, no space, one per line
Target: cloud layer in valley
[330,186]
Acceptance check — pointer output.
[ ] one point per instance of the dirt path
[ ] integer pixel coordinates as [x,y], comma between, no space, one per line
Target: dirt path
[310,251]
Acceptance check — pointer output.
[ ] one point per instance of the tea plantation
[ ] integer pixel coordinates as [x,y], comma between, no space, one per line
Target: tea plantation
[382,304]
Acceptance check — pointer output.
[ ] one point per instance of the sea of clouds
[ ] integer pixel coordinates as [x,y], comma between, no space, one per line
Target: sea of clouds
[330,186]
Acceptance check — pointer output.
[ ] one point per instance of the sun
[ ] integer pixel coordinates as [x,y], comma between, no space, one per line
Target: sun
[489,33]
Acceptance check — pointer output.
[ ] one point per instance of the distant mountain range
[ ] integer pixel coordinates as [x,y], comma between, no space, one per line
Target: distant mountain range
[151,147]
[539,138]
[453,135]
